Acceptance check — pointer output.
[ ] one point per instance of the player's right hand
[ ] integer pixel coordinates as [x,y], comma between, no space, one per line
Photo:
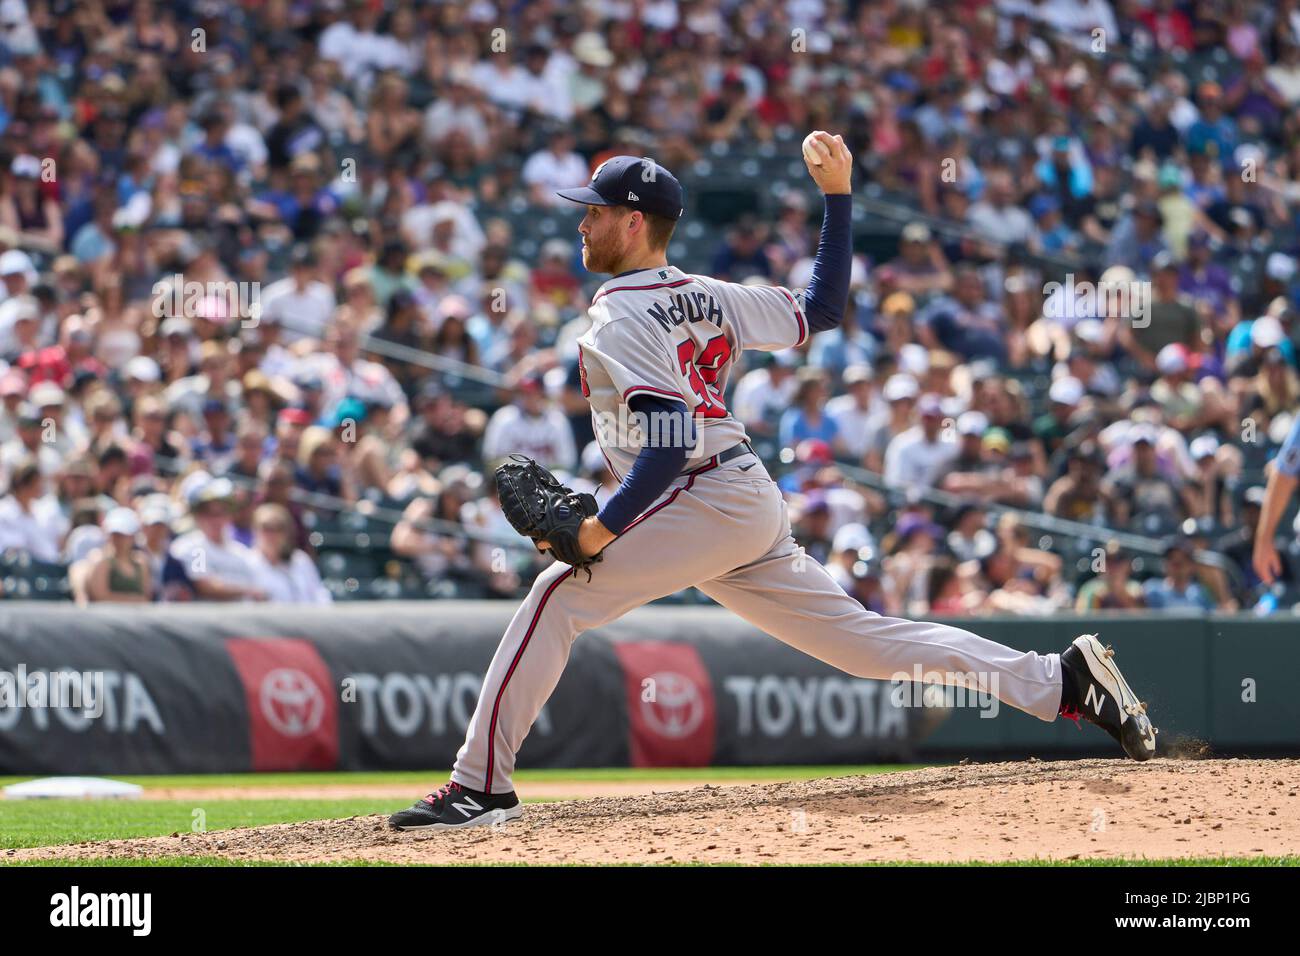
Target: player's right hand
[1268,565]
[829,162]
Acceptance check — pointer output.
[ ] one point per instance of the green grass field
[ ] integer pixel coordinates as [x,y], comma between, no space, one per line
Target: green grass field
[29,823]
[424,778]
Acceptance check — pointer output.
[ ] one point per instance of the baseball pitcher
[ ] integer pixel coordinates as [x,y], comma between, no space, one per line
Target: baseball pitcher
[695,505]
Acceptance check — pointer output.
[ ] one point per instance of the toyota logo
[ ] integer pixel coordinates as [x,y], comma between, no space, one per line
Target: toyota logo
[291,702]
[677,708]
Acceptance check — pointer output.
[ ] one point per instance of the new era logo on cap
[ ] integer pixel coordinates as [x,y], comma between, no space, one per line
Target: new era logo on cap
[640,183]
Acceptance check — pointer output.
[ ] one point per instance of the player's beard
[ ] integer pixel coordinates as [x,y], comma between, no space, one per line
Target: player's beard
[602,255]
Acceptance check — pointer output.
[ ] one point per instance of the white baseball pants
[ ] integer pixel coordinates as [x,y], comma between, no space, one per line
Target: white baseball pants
[726,531]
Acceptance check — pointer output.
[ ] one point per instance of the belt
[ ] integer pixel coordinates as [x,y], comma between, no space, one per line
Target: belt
[735,451]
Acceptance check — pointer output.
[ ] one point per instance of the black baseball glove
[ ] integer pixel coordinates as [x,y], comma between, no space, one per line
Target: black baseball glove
[539,507]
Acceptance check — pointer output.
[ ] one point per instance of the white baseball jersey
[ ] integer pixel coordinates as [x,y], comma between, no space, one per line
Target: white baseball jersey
[662,332]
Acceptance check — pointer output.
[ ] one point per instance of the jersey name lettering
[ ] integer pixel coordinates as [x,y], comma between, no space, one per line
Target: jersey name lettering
[686,307]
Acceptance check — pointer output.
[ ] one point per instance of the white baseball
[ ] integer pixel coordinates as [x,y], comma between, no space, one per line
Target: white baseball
[810,151]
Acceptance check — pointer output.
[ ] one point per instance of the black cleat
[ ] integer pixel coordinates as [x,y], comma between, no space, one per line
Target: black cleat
[454,807]
[1105,699]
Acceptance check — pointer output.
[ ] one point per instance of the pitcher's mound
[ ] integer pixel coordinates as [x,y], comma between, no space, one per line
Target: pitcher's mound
[1085,809]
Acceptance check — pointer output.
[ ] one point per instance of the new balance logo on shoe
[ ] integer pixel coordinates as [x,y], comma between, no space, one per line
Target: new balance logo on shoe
[469,802]
[1092,698]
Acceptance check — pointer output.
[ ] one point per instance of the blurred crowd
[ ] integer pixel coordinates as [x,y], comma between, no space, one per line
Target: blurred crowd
[260,270]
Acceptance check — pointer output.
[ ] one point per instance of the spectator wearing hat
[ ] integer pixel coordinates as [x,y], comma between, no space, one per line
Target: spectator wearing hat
[140,376]
[1242,544]
[1137,238]
[243,462]
[1052,427]
[743,253]
[364,435]
[1274,390]
[121,573]
[217,566]
[1078,494]
[910,551]
[283,445]
[17,276]
[1181,215]
[342,371]
[763,394]
[897,416]
[23,318]
[554,167]
[807,416]
[31,428]
[13,391]
[286,573]
[1113,588]
[1142,495]
[446,432]
[1208,282]
[1188,405]
[852,411]
[405,326]
[1214,473]
[965,322]
[812,526]
[845,345]
[996,217]
[986,469]
[362,304]
[1052,234]
[1251,339]
[921,455]
[300,303]
[920,269]
[31,215]
[553,281]
[30,519]
[153,445]
[51,402]
[1178,589]
[262,397]
[156,512]
[853,543]
[216,440]
[530,425]
[971,426]
[214,381]
[1170,318]
[320,468]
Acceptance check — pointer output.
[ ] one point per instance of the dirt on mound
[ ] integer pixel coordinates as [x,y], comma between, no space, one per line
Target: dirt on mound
[1009,811]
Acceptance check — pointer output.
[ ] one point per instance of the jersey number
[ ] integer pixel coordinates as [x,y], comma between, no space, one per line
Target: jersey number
[701,370]
[582,375]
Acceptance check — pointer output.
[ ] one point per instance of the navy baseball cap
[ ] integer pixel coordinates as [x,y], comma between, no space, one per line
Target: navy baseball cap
[633,182]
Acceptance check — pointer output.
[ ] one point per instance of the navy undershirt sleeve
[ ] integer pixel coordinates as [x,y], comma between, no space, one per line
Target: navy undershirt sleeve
[828,289]
[659,462]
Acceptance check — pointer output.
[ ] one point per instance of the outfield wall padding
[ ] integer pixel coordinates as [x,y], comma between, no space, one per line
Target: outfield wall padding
[208,688]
